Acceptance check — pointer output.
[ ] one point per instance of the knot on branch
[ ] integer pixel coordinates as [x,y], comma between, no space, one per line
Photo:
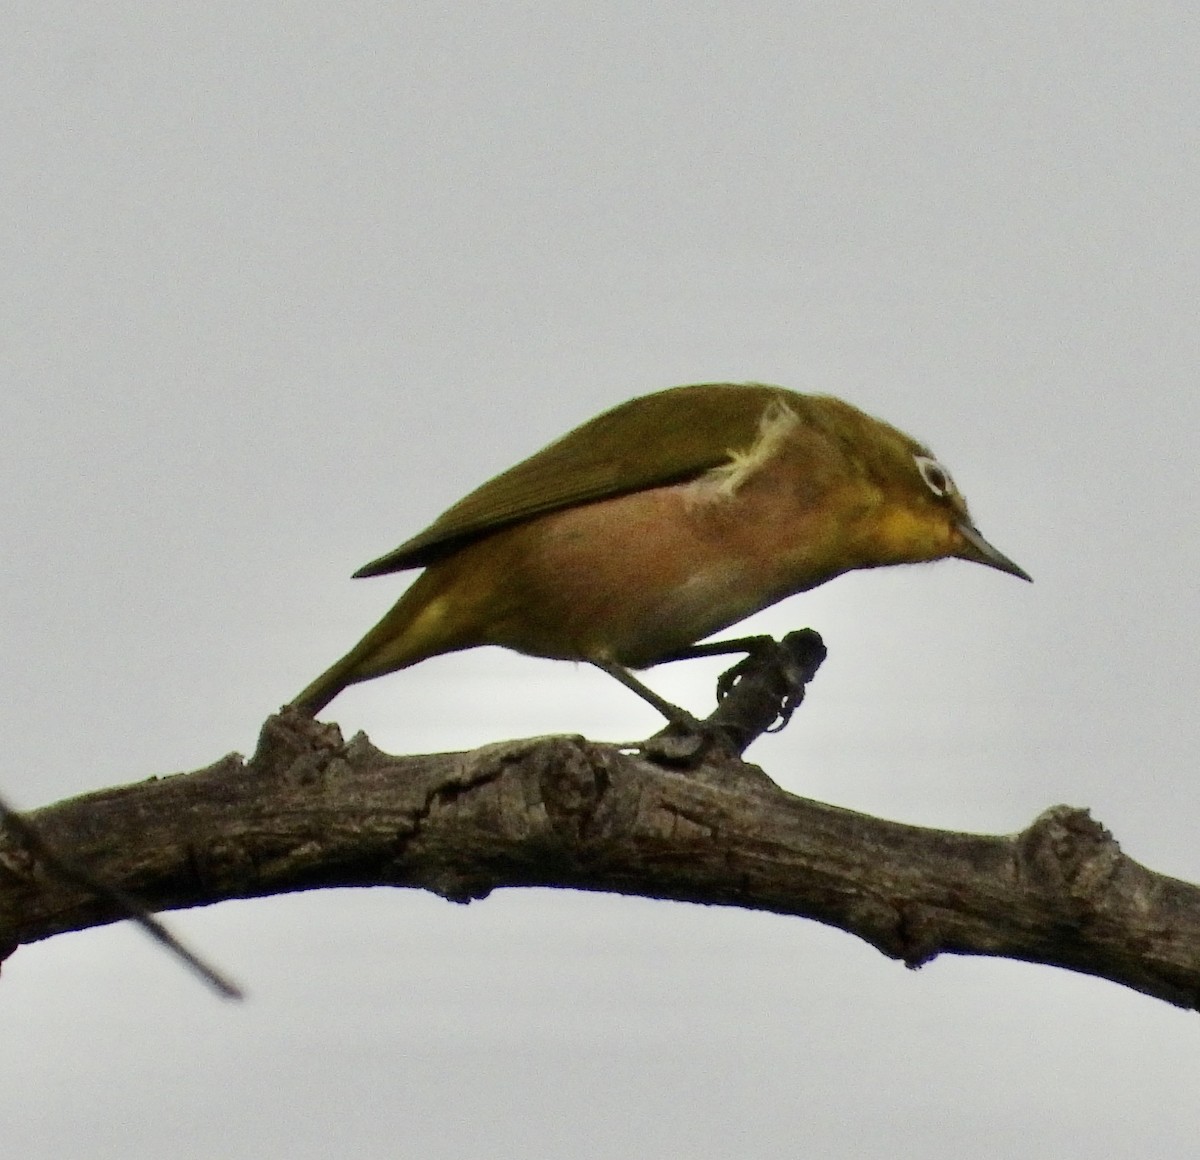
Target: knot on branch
[762,691]
[295,744]
[757,695]
[572,779]
[1069,857]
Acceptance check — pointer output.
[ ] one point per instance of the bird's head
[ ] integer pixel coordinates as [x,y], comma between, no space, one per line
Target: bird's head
[912,511]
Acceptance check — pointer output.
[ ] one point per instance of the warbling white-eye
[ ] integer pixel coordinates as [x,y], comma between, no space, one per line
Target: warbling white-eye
[659,523]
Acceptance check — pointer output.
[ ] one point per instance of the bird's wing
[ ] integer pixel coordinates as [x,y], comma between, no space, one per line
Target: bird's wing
[652,441]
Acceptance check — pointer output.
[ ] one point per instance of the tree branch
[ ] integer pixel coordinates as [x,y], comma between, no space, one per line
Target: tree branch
[308,811]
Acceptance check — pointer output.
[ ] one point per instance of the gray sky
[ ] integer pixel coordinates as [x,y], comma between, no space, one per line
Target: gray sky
[283,281]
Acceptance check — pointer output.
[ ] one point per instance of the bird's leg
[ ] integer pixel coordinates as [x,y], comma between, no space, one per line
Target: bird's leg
[797,657]
[678,717]
[769,683]
[685,741]
[717,648]
[752,646]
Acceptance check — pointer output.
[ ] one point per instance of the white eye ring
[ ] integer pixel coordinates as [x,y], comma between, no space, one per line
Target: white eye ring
[936,477]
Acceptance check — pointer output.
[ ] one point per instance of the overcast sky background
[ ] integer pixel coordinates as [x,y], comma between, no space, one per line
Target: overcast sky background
[280,282]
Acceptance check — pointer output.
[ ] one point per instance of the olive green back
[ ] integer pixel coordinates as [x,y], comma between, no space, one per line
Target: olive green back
[658,439]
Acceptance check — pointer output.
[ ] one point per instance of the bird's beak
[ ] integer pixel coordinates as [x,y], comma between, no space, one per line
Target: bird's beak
[976,548]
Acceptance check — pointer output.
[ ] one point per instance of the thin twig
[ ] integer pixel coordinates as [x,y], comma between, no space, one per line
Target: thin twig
[67,871]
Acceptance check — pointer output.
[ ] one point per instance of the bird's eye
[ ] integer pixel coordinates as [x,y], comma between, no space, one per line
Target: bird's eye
[936,477]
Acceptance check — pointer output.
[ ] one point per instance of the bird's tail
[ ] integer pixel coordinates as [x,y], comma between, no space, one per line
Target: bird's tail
[332,681]
[412,631]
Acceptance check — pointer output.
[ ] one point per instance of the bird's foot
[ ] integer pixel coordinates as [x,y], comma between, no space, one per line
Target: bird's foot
[781,669]
[757,695]
[687,741]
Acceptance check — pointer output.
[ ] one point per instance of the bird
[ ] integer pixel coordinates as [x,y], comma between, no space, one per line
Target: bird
[659,523]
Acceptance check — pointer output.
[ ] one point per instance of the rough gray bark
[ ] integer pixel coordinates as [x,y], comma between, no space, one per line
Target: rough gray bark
[310,811]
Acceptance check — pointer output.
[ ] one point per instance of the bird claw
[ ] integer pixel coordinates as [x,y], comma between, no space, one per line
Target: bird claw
[674,748]
[769,682]
[785,667]
[790,704]
[767,651]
